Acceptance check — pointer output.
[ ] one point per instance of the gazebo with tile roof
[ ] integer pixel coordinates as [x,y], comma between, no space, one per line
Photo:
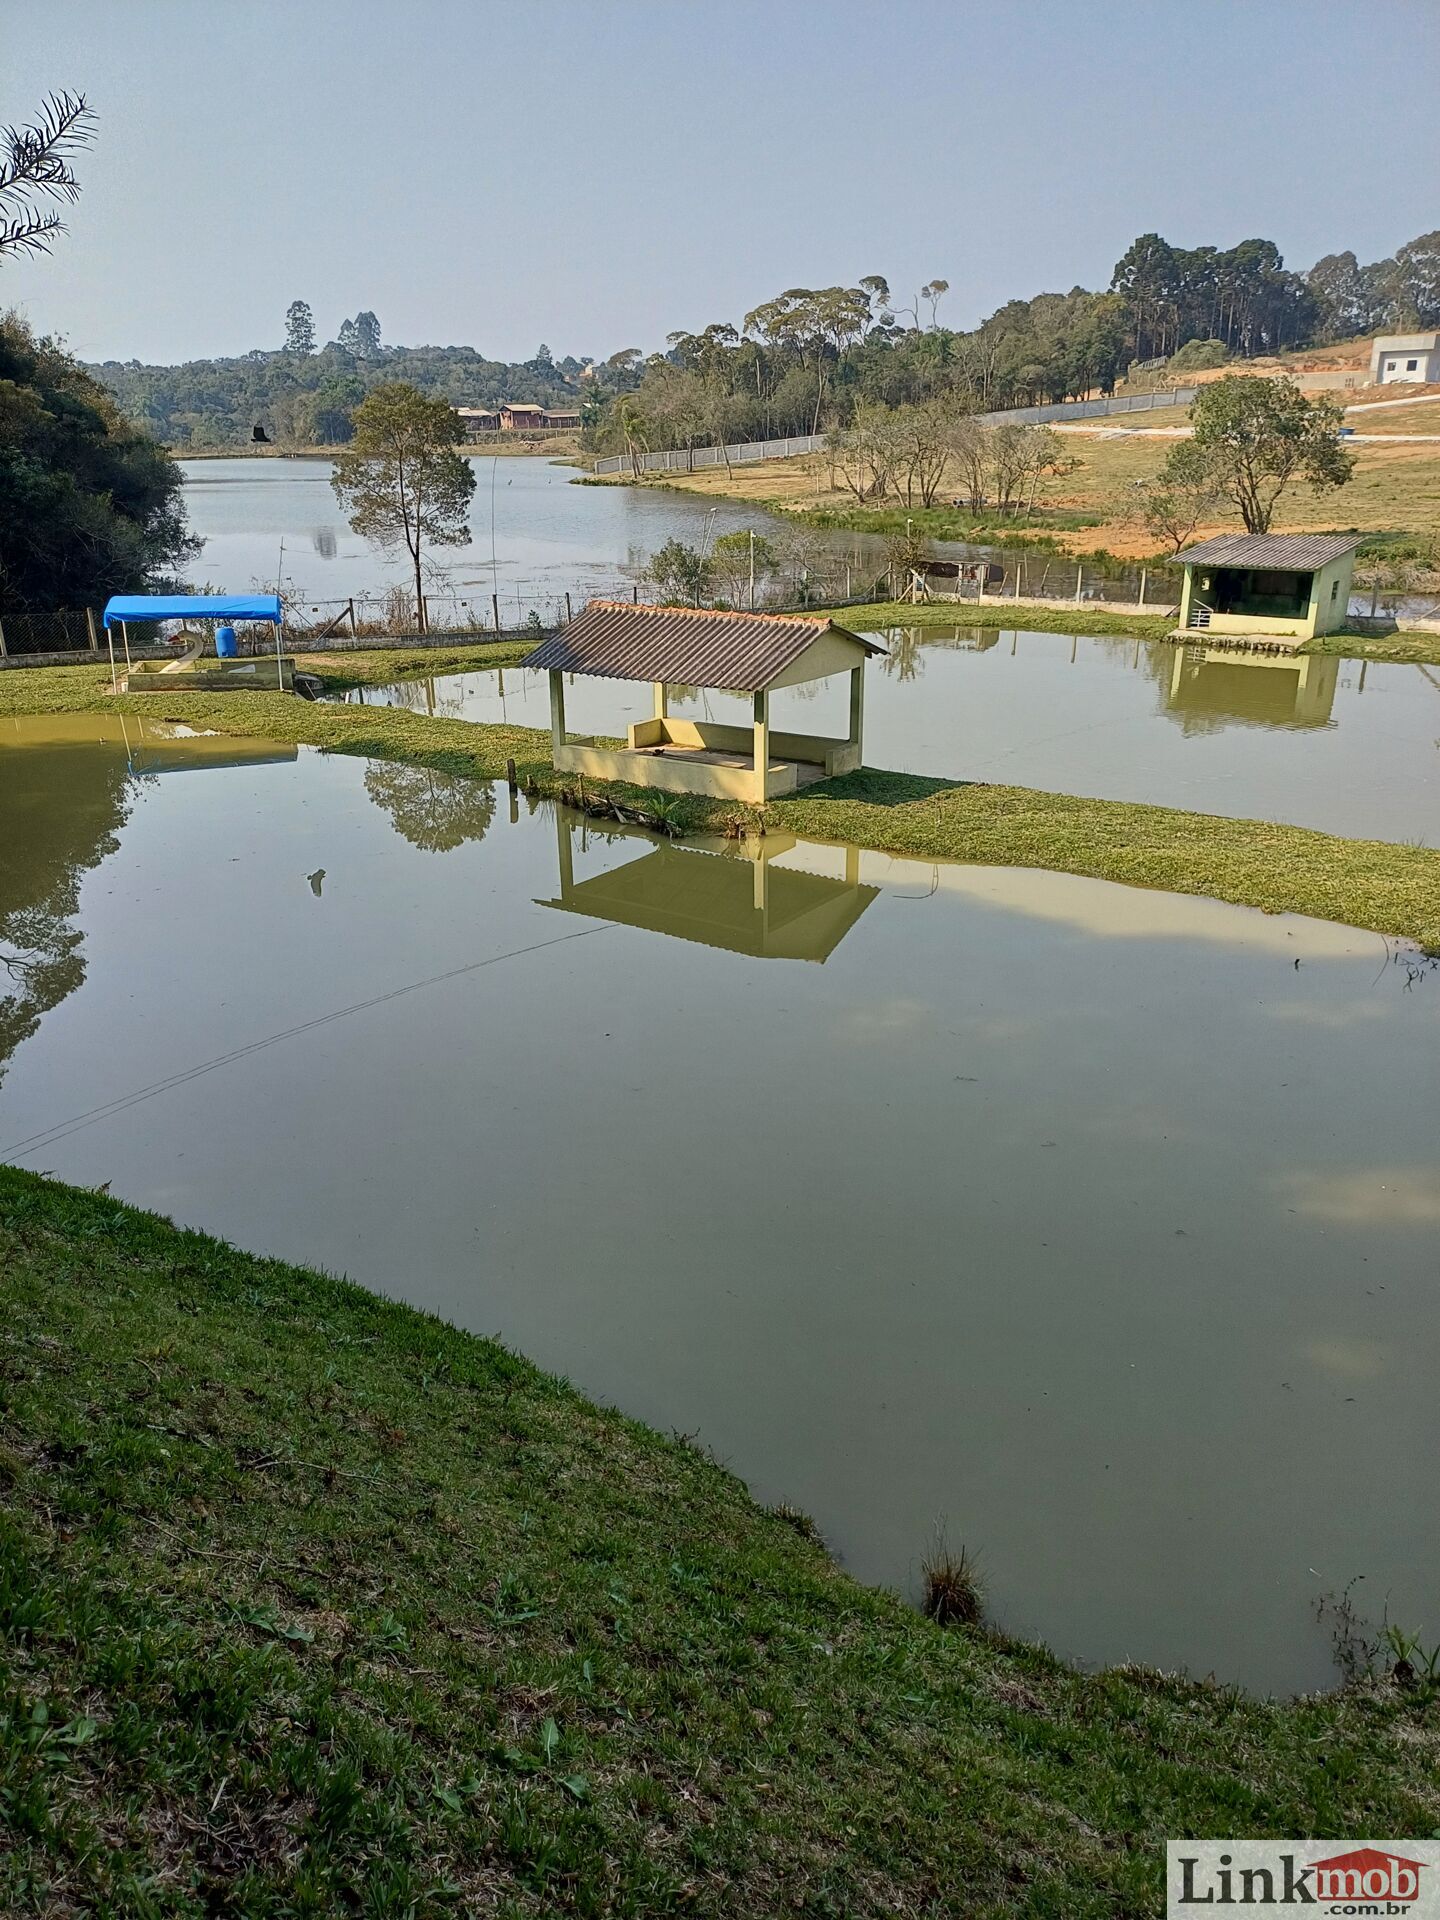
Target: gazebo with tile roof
[749,653]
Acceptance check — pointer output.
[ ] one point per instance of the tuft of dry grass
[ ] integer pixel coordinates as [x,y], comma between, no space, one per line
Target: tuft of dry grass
[952,1590]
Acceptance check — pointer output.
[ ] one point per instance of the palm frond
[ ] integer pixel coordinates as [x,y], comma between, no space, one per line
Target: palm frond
[36,159]
[31,233]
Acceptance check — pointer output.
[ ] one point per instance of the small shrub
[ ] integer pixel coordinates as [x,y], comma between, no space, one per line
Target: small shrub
[953,1595]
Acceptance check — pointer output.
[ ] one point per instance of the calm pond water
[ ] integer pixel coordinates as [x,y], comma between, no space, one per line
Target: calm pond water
[551,538]
[1079,1217]
[1347,746]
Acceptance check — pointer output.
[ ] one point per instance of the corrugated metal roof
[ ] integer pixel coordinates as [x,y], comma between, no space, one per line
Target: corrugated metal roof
[1302,552]
[737,652]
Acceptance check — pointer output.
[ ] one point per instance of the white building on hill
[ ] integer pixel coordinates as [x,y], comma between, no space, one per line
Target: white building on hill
[1413,358]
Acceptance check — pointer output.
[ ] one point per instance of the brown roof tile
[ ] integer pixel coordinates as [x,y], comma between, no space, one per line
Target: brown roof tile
[737,652]
[1303,552]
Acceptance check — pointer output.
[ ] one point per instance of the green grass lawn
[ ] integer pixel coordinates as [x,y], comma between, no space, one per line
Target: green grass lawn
[1368,883]
[311,1605]
[375,666]
[1404,649]
[1058,616]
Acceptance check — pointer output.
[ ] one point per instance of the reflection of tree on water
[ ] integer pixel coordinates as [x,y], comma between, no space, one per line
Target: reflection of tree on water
[423,696]
[433,811]
[906,657]
[62,809]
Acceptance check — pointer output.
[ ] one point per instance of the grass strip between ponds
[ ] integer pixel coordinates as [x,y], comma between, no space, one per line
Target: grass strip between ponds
[1416,648]
[312,1604]
[1389,889]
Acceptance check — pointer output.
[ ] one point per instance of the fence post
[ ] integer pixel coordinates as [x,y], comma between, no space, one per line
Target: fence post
[3,648]
[1143,571]
[568,614]
[1079,581]
[424,613]
[495,609]
[1019,575]
[90,629]
[352,620]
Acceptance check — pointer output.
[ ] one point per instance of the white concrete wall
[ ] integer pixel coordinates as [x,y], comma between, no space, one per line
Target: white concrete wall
[1391,355]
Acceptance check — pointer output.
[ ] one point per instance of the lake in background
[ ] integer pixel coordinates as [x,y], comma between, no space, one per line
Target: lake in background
[1075,1217]
[551,538]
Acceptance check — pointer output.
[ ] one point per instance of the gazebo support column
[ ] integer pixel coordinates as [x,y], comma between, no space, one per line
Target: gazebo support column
[557,714]
[662,700]
[762,745]
[857,711]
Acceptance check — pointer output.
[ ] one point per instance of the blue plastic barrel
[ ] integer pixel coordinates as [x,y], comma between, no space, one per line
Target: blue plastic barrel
[225,647]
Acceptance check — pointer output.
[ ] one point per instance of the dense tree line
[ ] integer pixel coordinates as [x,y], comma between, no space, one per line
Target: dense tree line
[300,396]
[89,504]
[821,357]
[810,357]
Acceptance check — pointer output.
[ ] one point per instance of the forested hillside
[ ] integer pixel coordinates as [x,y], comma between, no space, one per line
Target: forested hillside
[303,397]
[806,358]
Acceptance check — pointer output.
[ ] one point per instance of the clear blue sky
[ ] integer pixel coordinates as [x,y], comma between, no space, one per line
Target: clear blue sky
[594,173]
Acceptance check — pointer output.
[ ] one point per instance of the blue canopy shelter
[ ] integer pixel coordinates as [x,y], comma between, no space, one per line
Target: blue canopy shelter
[122,608]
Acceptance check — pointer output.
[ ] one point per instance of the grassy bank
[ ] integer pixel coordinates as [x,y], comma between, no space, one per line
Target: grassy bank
[1404,649]
[311,1605]
[377,666]
[1030,616]
[1367,883]
[1090,509]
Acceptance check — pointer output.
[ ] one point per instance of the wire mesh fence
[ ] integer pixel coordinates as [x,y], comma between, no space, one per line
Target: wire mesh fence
[813,576]
[1049,578]
[76,631]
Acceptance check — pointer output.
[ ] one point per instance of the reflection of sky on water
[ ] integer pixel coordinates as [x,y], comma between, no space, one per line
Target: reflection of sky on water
[1033,1205]
[1348,747]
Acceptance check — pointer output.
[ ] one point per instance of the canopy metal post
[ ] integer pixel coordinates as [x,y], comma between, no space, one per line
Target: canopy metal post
[125,636]
[110,642]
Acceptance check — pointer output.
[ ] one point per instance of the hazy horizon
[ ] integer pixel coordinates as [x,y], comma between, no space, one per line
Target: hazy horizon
[596,175]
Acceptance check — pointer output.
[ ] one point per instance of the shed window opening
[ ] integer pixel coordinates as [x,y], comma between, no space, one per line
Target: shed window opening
[1411,366]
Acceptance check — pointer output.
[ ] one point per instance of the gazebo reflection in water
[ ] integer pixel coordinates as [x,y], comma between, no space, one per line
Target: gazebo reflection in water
[729,894]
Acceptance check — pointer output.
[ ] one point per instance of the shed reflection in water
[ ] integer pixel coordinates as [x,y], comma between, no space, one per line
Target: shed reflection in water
[1216,686]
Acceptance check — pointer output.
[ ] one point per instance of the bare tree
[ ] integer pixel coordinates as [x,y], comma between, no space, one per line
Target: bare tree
[1178,500]
[35,165]
[923,433]
[969,448]
[868,451]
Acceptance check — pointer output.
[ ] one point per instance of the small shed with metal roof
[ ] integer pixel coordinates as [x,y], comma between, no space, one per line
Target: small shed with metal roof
[1267,586]
[748,653]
